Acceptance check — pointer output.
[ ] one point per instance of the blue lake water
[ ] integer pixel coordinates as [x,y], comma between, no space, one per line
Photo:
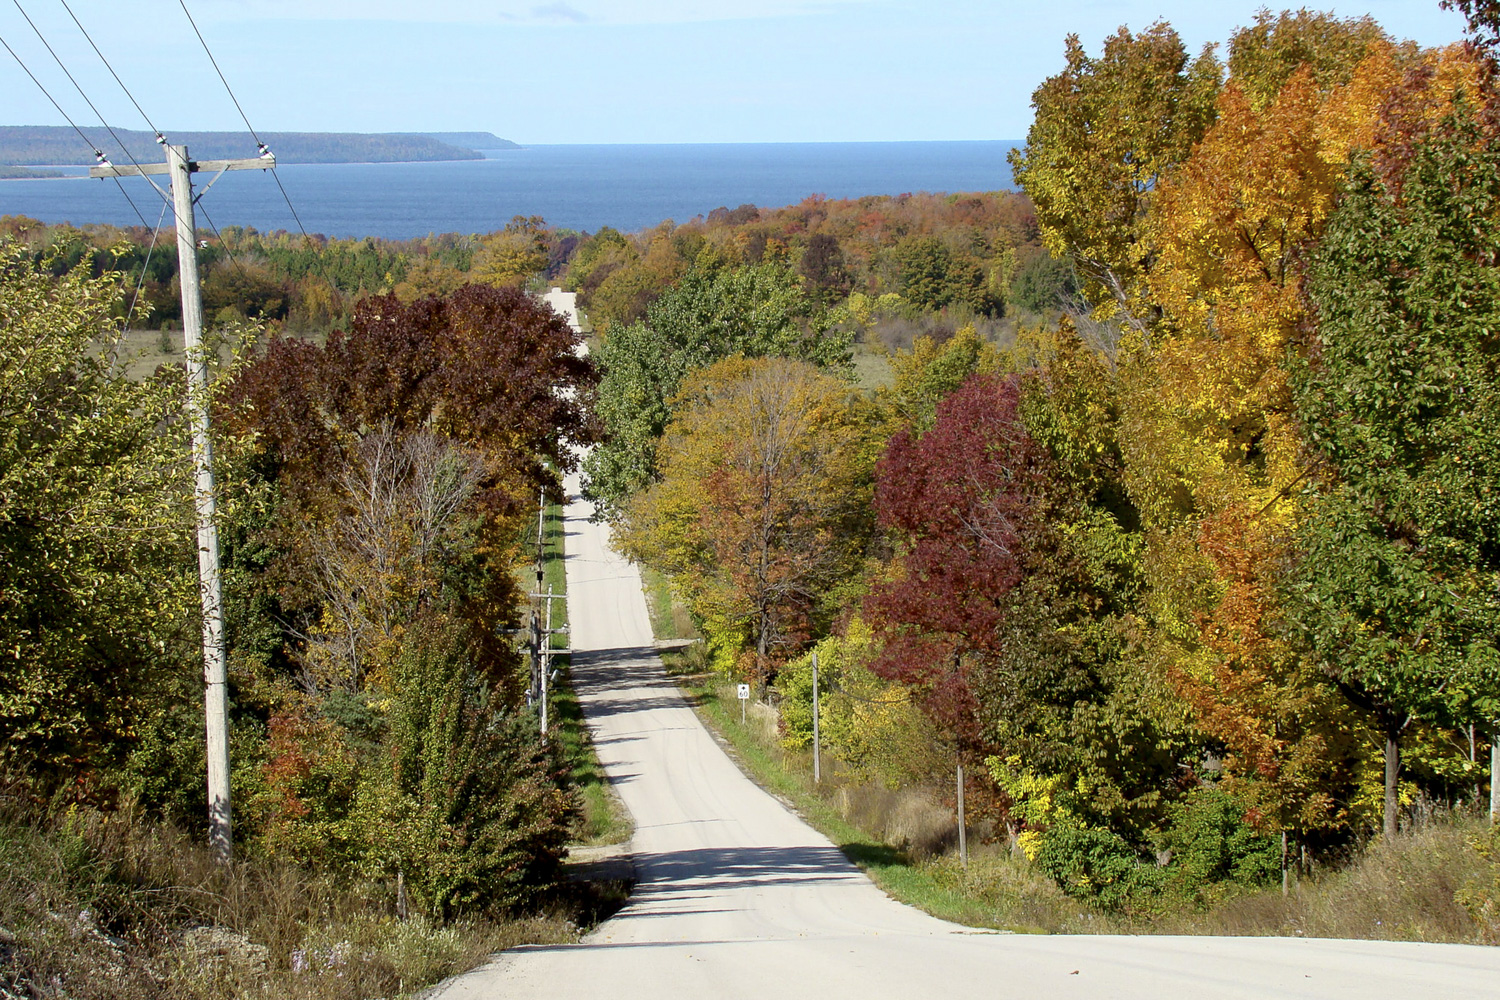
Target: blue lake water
[629,187]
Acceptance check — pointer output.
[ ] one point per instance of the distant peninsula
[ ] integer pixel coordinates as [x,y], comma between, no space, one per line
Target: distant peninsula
[54,145]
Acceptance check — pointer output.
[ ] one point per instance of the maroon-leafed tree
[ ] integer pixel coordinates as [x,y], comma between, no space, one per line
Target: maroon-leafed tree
[963,500]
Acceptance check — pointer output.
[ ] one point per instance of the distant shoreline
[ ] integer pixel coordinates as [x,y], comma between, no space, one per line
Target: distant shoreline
[48,145]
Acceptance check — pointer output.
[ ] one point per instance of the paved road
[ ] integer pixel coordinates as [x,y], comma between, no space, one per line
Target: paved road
[739,898]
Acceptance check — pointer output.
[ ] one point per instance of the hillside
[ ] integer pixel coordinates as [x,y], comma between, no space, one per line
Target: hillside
[31,145]
[471,140]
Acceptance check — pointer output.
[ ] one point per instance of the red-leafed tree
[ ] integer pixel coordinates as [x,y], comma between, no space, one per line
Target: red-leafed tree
[964,497]
[1008,609]
[405,453]
[487,367]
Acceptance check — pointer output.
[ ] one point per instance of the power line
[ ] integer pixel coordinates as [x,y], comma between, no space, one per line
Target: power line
[111,69]
[60,65]
[145,265]
[261,146]
[222,242]
[217,70]
[98,153]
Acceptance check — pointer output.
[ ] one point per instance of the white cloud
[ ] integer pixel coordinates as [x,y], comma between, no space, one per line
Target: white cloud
[559,12]
[514,11]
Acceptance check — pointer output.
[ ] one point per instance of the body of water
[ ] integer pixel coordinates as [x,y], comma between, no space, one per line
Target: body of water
[575,187]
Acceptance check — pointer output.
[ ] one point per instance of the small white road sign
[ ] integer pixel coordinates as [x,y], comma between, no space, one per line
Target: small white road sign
[744,692]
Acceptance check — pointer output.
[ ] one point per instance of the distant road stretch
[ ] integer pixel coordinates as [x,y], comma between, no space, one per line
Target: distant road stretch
[738,898]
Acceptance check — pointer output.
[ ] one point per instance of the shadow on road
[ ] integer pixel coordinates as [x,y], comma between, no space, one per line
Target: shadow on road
[707,869]
[617,681]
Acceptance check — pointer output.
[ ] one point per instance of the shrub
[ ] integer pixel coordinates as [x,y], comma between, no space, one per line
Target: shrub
[473,808]
[1211,844]
[1095,866]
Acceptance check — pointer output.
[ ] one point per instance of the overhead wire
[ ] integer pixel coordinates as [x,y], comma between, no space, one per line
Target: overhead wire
[111,69]
[145,267]
[62,66]
[98,153]
[261,146]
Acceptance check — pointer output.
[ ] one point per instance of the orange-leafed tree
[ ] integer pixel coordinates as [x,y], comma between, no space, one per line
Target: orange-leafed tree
[762,513]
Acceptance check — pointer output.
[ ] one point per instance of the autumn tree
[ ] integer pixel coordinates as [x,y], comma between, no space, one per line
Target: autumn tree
[519,251]
[1020,568]
[426,423]
[1264,55]
[97,584]
[1399,558]
[929,372]
[1106,130]
[711,314]
[763,509]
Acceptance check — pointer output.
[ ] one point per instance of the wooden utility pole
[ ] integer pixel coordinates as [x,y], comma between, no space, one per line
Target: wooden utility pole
[541,655]
[1495,778]
[817,741]
[963,825]
[215,674]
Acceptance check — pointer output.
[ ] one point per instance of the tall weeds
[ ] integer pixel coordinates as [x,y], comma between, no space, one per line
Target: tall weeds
[103,905]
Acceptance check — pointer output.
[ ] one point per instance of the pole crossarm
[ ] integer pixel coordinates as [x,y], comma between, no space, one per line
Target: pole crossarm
[194,167]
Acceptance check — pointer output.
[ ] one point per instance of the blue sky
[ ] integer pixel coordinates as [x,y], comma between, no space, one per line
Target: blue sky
[599,71]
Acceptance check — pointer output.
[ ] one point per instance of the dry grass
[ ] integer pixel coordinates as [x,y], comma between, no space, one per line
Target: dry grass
[98,905]
[1406,889]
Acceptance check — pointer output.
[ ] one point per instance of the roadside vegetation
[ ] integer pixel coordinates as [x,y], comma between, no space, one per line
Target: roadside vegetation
[1194,575]
[1159,495]
[1437,881]
[396,812]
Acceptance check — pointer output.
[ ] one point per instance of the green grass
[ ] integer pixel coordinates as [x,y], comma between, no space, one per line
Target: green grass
[669,616]
[604,819]
[872,370]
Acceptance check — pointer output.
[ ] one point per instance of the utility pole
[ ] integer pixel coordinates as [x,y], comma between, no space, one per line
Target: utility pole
[817,742]
[541,537]
[215,674]
[541,654]
[1495,778]
[963,832]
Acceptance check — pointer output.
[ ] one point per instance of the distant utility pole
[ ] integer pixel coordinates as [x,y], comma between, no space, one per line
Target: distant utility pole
[817,741]
[1495,778]
[963,824]
[541,656]
[215,680]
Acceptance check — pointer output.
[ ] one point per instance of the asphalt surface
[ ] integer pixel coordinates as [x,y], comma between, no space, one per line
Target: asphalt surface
[737,897]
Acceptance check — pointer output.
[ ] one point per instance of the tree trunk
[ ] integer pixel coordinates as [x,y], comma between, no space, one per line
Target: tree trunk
[1392,774]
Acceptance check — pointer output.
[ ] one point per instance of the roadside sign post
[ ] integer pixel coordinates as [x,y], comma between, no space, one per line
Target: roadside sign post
[963,834]
[744,693]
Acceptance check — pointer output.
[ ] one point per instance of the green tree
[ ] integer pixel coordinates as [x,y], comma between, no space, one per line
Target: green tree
[1105,131]
[1396,587]
[711,314]
[1263,56]
[97,578]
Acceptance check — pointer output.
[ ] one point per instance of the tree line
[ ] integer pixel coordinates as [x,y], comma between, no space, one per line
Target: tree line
[1205,569]
[374,489]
